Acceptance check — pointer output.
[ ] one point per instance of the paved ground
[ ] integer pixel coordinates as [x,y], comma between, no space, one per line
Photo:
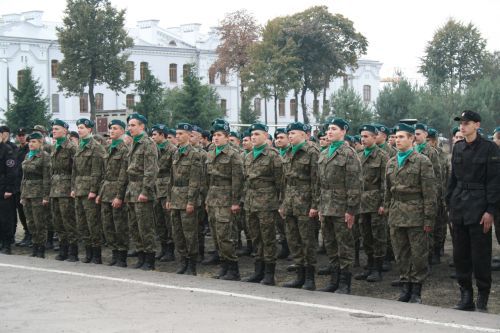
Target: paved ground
[49,296]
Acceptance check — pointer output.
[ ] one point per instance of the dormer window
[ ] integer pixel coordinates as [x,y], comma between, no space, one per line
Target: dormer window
[172,43]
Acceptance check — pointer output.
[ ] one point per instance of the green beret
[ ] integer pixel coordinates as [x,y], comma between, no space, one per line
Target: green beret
[117,122]
[128,133]
[184,127]
[432,133]
[160,128]
[74,134]
[270,137]
[139,117]
[59,122]
[171,131]
[369,128]
[321,134]
[338,122]
[258,127]
[404,128]
[198,129]
[298,126]
[423,127]
[496,130]
[35,135]
[455,130]
[85,122]
[356,138]
[221,125]
[382,128]
[246,133]
[348,138]
[278,131]
[235,134]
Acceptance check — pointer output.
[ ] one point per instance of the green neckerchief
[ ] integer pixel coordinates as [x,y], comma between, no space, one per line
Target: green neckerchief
[296,148]
[138,137]
[334,146]
[402,156]
[323,148]
[247,151]
[32,153]
[59,142]
[218,149]
[162,145]
[182,150]
[85,141]
[368,151]
[114,144]
[258,150]
[421,147]
[283,150]
[382,145]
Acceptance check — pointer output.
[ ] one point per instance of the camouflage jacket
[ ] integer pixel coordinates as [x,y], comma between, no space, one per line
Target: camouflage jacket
[114,182]
[410,192]
[88,168]
[224,178]
[165,156]
[340,182]
[61,167]
[36,176]
[263,180]
[203,189]
[390,150]
[185,179]
[433,156]
[373,169]
[444,161]
[300,178]
[142,169]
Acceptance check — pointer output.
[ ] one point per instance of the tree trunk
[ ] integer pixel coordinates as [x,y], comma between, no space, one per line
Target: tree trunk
[315,104]
[303,104]
[265,110]
[276,109]
[296,94]
[92,101]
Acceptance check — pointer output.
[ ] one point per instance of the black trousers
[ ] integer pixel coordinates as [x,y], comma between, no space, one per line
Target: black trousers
[20,212]
[472,254]
[7,211]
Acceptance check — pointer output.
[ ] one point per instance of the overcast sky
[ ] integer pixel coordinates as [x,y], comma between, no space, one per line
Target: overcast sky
[397,30]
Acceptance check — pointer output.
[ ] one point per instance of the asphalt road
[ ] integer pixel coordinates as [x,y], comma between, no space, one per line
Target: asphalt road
[50,296]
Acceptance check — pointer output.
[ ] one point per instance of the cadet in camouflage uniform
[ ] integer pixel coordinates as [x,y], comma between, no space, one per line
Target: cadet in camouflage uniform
[246,148]
[163,224]
[183,197]
[35,190]
[410,197]
[224,167]
[372,222]
[112,194]
[300,204]
[88,168]
[61,202]
[340,192]
[263,179]
[140,195]
[282,145]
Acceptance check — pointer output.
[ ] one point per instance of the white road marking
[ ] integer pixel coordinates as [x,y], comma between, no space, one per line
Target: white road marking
[257,298]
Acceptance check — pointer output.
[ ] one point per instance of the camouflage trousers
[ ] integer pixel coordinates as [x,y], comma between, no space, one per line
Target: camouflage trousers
[35,217]
[280,228]
[163,225]
[202,219]
[88,219]
[262,226]
[185,233]
[141,226]
[222,220]
[63,212]
[374,232]
[47,215]
[239,225]
[301,236]
[115,225]
[411,249]
[339,242]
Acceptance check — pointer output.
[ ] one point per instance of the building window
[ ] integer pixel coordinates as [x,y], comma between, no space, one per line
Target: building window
[223,79]
[172,72]
[293,107]
[186,68]
[211,75]
[55,103]
[20,77]
[281,107]
[367,93]
[99,102]
[54,64]
[223,106]
[129,74]
[256,106]
[172,43]
[130,102]
[84,103]
[143,69]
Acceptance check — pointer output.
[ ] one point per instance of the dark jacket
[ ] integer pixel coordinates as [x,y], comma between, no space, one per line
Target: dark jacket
[8,167]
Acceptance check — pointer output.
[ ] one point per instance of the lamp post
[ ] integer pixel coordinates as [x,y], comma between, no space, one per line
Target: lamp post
[8,97]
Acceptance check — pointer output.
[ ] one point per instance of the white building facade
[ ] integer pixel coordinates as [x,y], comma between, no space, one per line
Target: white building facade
[27,40]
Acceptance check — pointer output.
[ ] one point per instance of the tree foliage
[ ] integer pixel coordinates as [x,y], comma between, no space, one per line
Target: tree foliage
[394,101]
[347,104]
[152,103]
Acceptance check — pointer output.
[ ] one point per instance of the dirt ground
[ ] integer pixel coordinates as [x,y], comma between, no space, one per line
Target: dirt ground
[439,289]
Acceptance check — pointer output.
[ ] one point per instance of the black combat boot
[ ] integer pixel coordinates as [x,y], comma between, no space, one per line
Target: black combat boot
[191,267]
[367,272]
[233,272]
[299,280]
[344,283]
[416,293]
[40,251]
[466,300]
[284,251]
[357,246]
[169,254]
[376,274]
[269,270]
[6,248]
[482,301]
[72,254]
[325,270]
[114,258]
[149,261]
[214,259]
[333,284]
[140,259]
[63,252]
[162,252]
[97,255]
[258,274]
[309,284]
[405,294]
[121,259]
[34,251]
[436,257]
[396,283]
[224,266]
[183,265]
[88,254]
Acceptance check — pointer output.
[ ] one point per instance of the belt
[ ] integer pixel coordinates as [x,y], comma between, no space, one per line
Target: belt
[298,182]
[407,196]
[261,184]
[180,183]
[471,186]
[220,182]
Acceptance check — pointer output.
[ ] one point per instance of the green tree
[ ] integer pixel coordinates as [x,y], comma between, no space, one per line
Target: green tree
[152,103]
[195,103]
[394,101]
[93,40]
[484,97]
[347,104]
[248,115]
[435,107]
[29,107]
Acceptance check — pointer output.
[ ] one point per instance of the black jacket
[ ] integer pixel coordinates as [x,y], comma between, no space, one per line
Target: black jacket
[8,166]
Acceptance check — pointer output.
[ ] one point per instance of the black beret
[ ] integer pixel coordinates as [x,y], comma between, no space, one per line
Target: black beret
[468,115]
[21,131]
